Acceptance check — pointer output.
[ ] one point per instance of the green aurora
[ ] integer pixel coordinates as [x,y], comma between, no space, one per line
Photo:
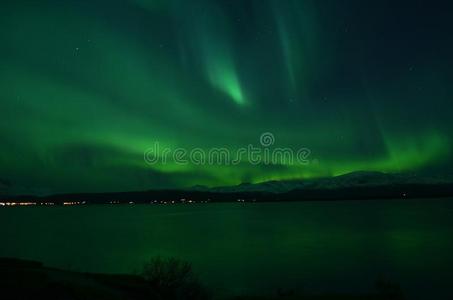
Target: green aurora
[86,87]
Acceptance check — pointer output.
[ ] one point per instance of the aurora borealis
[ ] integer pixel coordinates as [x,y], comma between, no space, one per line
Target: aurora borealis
[87,86]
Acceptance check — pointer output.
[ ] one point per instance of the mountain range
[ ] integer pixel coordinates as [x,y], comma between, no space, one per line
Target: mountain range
[356,185]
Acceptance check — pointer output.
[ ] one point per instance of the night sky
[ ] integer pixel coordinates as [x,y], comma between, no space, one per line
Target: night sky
[87,86]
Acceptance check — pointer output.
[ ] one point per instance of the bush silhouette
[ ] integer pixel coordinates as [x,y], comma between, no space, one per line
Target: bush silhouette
[173,279]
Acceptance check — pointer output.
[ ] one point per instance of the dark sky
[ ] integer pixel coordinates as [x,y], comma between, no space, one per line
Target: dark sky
[86,87]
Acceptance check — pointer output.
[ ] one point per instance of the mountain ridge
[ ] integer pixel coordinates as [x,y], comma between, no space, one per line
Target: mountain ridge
[357,178]
[351,186]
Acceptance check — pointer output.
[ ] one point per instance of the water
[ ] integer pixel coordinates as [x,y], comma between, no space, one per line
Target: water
[236,248]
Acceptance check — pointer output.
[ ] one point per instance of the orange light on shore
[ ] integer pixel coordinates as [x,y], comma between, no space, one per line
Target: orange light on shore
[71,203]
[17,203]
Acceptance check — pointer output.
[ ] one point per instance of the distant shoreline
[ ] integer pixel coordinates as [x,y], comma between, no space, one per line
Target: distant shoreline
[363,193]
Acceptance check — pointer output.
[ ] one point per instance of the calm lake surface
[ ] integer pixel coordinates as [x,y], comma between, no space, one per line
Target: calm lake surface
[236,247]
